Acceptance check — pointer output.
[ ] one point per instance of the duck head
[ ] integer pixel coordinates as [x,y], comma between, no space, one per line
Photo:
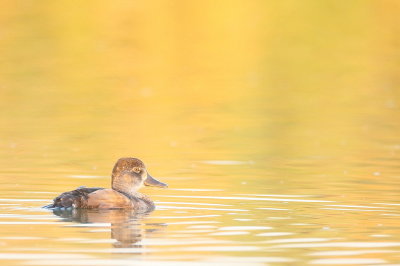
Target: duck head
[129,175]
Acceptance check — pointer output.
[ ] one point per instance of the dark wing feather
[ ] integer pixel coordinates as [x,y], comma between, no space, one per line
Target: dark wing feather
[78,197]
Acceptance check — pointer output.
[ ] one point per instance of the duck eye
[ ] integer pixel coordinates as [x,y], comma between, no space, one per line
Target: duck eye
[137,169]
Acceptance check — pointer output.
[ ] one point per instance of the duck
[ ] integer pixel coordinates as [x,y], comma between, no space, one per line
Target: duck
[128,176]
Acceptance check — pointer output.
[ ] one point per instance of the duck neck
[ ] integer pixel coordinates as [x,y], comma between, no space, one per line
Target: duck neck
[125,186]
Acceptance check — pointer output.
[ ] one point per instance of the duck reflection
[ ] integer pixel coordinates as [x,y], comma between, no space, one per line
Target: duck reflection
[127,227]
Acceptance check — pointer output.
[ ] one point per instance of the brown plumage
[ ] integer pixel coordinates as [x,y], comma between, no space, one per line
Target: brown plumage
[128,176]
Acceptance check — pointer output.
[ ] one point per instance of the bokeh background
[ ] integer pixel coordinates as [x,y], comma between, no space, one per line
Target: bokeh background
[177,79]
[243,96]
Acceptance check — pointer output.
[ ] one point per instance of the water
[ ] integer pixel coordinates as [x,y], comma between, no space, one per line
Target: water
[275,126]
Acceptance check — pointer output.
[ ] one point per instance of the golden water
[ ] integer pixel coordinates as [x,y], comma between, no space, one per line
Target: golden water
[275,124]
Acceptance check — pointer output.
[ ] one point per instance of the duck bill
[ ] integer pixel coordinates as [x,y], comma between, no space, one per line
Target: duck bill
[150,181]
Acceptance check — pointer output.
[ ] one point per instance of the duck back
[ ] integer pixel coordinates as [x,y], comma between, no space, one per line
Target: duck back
[76,198]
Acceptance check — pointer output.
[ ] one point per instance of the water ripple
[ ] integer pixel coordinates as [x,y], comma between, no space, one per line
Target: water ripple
[244,198]
[197,208]
[348,261]
[342,245]
[229,228]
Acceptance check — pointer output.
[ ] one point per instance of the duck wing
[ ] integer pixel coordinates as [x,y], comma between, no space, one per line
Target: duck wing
[75,198]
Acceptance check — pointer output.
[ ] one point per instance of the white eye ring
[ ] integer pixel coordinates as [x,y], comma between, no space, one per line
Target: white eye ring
[136,169]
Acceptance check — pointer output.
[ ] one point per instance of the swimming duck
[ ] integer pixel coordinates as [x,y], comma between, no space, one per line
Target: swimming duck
[128,176]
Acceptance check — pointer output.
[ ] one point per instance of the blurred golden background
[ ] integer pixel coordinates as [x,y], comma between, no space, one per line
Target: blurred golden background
[174,82]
